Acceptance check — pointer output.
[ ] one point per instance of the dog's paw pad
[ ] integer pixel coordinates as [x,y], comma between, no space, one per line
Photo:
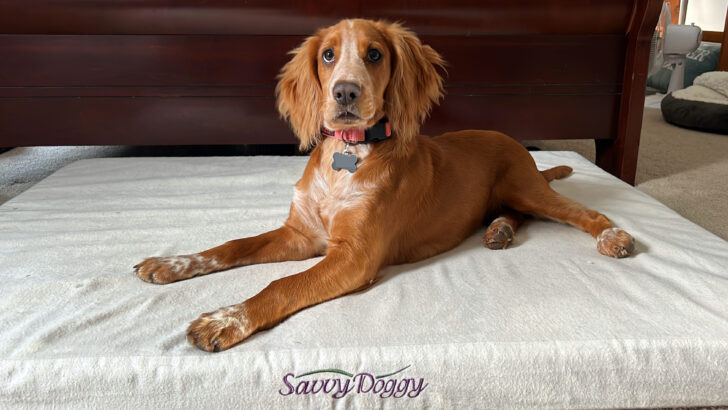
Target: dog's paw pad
[615,242]
[499,235]
[219,330]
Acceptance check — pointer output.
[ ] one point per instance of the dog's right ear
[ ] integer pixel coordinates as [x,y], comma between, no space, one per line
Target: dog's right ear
[299,92]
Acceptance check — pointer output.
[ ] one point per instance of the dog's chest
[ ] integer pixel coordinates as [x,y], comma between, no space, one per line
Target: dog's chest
[326,193]
[337,191]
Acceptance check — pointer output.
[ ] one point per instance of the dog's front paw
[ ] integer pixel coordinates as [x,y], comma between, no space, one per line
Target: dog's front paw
[615,242]
[220,330]
[169,269]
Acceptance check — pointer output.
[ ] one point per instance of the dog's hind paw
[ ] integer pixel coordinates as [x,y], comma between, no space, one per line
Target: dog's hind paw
[615,242]
[499,235]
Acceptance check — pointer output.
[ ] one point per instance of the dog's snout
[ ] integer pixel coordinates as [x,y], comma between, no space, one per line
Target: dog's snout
[346,93]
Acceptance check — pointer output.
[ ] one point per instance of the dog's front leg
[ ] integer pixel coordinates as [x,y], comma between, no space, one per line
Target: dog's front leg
[342,271]
[283,244]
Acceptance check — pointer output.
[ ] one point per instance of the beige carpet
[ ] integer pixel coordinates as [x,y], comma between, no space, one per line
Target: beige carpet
[684,169]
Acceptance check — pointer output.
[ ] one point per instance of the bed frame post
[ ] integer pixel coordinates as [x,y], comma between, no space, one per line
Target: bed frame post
[619,156]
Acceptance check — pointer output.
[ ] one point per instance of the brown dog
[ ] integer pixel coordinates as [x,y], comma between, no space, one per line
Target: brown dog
[401,198]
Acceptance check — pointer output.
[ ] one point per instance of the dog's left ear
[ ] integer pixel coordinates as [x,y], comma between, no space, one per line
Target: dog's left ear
[299,92]
[415,84]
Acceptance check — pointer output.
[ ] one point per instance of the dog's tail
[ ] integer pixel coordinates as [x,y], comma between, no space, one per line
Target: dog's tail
[556,172]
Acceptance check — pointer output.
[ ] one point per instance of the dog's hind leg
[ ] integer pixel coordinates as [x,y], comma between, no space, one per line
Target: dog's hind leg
[540,199]
[500,232]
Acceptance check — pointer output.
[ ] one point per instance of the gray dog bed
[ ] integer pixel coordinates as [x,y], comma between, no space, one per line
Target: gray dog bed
[702,106]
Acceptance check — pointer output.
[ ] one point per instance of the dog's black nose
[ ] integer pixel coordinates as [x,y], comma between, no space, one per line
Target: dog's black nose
[346,93]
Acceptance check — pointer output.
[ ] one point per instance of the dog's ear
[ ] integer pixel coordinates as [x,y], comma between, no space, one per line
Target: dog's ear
[415,82]
[299,92]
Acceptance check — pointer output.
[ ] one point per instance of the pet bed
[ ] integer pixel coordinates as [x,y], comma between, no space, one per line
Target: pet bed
[548,322]
[702,106]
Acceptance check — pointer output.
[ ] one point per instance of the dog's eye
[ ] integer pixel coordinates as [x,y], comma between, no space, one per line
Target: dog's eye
[374,55]
[328,56]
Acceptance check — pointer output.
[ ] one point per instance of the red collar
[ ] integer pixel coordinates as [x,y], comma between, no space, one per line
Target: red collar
[379,131]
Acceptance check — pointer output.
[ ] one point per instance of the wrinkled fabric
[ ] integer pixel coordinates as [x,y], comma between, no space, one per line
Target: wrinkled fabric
[546,323]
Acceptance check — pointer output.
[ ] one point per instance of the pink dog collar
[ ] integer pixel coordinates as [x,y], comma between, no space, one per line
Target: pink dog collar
[352,135]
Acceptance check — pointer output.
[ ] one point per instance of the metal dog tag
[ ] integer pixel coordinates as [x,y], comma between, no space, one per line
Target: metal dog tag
[344,161]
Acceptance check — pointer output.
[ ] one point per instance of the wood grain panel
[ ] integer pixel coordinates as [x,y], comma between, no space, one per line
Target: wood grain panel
[141,121]
[202,71]
[102,61]
[253,120]
[268,90]
[299,17]
[723,61]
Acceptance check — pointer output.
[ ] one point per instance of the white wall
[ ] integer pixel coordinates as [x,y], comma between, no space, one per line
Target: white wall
[708,14]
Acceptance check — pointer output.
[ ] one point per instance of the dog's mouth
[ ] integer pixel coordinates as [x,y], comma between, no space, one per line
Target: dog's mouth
[344,117]
[347,117]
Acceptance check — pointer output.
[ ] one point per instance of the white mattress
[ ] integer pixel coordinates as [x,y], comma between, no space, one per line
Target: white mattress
[547,323]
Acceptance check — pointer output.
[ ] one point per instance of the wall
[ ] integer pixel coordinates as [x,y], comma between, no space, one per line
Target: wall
[708,14]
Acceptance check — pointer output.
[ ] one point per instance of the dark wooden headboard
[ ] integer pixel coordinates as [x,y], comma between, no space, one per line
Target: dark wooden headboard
[162,72]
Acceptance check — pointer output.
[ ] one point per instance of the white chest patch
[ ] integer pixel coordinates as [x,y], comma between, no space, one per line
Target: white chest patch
[329,193]
[343,192]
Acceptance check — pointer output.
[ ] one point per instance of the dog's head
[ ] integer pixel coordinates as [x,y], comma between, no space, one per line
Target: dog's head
[354,73]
